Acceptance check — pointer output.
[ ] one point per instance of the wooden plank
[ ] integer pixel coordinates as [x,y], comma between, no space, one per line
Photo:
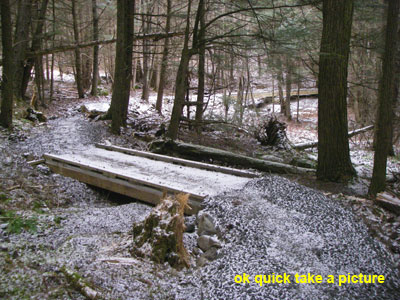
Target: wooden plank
[54,158]
[123,186]
[180,161]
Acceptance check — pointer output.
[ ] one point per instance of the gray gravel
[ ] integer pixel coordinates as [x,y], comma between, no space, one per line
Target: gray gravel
[276,226]
[271,226]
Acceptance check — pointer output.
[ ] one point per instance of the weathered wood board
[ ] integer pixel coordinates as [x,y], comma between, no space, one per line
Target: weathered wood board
[145,176]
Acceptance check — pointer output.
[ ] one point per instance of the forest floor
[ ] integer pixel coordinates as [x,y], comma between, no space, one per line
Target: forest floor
[272,225]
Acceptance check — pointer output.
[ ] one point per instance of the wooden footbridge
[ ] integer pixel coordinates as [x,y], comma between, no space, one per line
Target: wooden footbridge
[146,176]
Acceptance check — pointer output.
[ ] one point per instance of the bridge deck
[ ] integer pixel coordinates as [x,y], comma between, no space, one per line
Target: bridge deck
[145,176]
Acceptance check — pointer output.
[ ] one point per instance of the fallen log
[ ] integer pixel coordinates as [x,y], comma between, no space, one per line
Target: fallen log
[302,146]
[203,153]
[389,202]
[80,284]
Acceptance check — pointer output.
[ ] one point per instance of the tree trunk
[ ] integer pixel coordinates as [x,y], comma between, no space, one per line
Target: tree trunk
[239,100]
[52,55]
[123,64]
[78,60]
[333,146]
[202,153]
[280,91]
[181,82]
[21,44]
[164,61]
[385,104]
[95,76]
[8,66]
[146,28]
[36,45]
[202,60]
[288,112]
[298,101]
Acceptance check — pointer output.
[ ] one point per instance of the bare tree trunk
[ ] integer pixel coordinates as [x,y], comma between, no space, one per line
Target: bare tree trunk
[134,67]
[21,42]
[95,76]
[78,60]
[273,95]
[8,66]
[36,45]
[202,60]
[239,100]
[146,29]
[385,105]
[52,55]
[181,82]
[164,61]
[280,91]
[288,112]
[298,100]
[123,64]
[333,146]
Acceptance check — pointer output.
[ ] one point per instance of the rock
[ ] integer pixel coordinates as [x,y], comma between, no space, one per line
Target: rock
[190,224]
[28,156]
[201,262]
[211,254]
[7,161]
[3,247]
[196,251]
[205,242]
[33,115]
[206,225]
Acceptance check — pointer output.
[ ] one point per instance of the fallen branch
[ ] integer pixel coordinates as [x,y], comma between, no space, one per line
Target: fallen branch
[202,153]
[36,162]
[70,47]
[211,122]
[307,145]
[80,284]
[389,202]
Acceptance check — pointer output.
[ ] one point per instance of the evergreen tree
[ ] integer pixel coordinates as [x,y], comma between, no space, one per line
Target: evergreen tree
[333,146]
[385,104]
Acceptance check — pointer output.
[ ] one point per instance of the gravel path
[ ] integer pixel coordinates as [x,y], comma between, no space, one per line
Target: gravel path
[272,225]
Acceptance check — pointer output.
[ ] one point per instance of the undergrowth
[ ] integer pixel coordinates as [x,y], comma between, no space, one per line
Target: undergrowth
[16,223]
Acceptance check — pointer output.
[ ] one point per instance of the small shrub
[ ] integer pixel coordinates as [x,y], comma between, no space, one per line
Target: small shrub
[17,223]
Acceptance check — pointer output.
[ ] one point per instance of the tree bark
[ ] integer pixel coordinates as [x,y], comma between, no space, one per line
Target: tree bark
[385,101]
[333,147]
[52,56]
[197,152]
[181,82]
[202,60]
[123,64]
[78,60]
[288,112]
[164,61]
[7,89]
[95,76]
[280,91]
[36,45]
[21,42]
[146,28]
